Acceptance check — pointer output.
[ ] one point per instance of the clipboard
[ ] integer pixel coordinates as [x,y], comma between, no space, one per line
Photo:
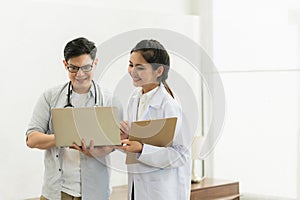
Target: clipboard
[158,132]
[71,125]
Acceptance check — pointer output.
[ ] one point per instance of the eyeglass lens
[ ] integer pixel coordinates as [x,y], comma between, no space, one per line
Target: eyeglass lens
[85,68]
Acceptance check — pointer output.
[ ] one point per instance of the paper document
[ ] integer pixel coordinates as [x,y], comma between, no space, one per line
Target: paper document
[159,132]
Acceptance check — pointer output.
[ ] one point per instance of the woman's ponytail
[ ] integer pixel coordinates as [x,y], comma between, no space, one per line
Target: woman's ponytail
[168,88]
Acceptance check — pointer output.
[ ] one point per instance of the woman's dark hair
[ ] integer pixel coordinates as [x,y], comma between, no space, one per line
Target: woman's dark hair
[78,47]
[155,54]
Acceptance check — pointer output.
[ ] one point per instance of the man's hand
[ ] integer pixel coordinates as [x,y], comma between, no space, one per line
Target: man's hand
[92,151]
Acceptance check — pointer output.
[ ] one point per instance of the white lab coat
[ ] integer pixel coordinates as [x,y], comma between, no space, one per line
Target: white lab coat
[164,173]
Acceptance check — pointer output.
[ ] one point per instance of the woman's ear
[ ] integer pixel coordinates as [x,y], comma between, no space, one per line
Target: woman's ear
[160,71]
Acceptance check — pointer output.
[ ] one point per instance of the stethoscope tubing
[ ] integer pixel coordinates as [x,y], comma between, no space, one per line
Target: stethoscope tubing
[69,104]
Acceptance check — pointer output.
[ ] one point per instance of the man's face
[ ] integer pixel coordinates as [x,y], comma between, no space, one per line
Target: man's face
[81,80]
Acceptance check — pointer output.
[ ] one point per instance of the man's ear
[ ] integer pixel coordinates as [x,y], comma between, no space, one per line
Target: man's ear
[159,71]
[96,61]
[65,64]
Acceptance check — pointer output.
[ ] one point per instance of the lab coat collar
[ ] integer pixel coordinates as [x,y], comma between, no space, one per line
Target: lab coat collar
[155,102]
[157,98]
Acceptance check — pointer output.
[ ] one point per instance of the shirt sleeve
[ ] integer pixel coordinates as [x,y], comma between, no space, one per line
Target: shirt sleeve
[41,116]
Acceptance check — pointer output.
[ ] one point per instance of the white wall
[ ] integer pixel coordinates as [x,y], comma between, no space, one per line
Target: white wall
[256,52]
[33,36]
[294,19]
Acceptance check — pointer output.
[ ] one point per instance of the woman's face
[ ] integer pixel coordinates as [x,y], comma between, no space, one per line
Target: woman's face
[142,72]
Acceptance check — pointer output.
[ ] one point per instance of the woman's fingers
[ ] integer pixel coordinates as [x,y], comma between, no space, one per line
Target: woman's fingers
[125,142]
[131,146]
[124,130]
[124,126]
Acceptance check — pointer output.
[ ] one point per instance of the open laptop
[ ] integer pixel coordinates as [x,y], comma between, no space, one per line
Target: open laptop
[158,132]
[71,125]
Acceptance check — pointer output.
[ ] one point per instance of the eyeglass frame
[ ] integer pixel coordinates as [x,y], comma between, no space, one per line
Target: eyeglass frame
[78,68]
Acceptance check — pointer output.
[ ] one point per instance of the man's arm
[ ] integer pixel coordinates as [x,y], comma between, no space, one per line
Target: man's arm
[40,140]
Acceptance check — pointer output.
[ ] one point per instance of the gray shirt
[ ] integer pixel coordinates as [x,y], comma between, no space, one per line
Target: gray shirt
[95,172]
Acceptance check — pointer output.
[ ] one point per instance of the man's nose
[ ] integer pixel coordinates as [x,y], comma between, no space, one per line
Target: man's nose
[80,72]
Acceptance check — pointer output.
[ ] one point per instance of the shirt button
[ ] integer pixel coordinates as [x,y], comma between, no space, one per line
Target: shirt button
[56,156]
[59,170]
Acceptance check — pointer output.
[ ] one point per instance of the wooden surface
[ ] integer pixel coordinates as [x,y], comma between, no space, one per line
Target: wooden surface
[214,189]
[207,189]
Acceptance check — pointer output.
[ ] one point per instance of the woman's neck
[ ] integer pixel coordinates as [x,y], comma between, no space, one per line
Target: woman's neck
[149,87]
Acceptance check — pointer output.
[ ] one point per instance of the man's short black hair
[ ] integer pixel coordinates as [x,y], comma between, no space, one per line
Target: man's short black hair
[78,47]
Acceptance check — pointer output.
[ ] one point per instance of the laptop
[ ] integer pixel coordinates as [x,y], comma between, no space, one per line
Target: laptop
[71,125]
[158,132]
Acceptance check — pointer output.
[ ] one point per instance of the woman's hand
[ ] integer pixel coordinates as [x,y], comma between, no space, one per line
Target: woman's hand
[124,130]
[131,146]
[92,151]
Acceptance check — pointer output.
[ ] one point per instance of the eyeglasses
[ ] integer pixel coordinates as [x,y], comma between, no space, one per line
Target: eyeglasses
[75,69]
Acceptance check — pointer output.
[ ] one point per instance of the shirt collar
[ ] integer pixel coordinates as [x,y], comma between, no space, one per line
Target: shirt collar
[90,93]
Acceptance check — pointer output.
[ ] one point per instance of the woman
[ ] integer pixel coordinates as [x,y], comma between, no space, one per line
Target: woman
[163,173]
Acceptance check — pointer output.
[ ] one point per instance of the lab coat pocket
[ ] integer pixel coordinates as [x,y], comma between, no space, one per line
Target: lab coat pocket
[161,185]
[161,190]
[154,113]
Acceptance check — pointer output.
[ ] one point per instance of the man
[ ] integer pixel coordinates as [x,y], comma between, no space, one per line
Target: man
[76,172]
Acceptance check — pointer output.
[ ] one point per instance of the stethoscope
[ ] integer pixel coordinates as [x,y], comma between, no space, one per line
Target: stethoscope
[69,95]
